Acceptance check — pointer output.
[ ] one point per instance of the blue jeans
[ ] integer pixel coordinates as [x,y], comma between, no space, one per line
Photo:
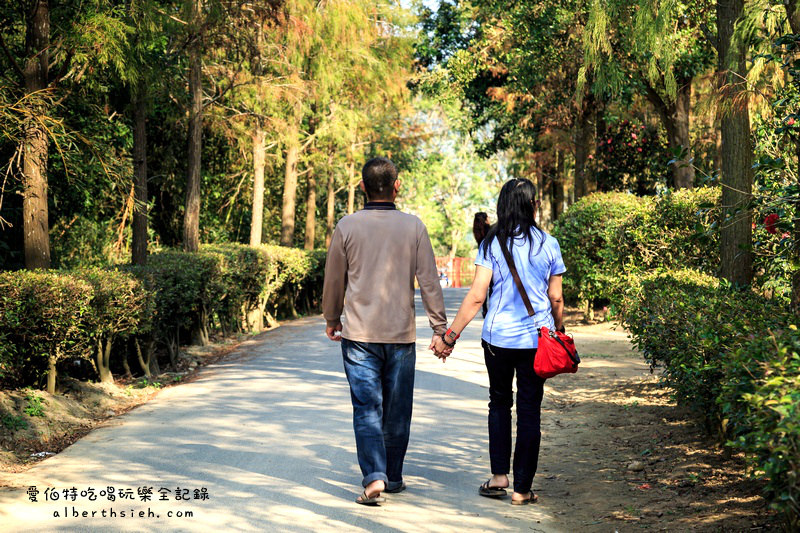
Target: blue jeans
[381,378]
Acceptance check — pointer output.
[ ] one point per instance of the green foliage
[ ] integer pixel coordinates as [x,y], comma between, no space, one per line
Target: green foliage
[13,422]
[670,232]
[691,324]
[606,235]
[223,288]
[760,401]
[588,236]
[41,316]
[35,405]
[121,306]
[630,157]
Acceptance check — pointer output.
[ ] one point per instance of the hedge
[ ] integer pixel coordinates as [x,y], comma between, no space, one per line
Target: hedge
[691,324]
[760,403]
[587,232]
[731,356]
[605,236]
[42,322]
[99,315]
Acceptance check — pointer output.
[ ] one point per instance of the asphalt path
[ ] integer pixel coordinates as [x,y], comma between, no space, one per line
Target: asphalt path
[263,441]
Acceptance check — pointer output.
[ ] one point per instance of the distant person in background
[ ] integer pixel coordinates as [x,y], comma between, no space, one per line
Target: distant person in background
[480,227]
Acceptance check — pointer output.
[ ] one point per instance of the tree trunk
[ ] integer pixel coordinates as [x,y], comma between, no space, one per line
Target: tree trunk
[311,211]
[125,364]
[675,118]
[103,356]
[290,189]
[545,196]
[351,187]
[52,373]
[558,186]
[35,224]
[139,246]
[144,363]
[793,13]
[683,171]
[259,158]
[736,258]
[455,236]
[331,207]
[583,141]
[191,218]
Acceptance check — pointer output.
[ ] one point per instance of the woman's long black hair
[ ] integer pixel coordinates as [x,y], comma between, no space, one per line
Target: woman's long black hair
[515,214]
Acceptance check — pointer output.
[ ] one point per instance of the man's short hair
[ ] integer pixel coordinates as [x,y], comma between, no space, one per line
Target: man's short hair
[379,175]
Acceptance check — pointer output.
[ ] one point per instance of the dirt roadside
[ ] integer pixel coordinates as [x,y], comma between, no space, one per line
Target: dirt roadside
[622,457]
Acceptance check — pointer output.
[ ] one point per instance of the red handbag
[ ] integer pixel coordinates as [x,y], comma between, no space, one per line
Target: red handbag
[556,353]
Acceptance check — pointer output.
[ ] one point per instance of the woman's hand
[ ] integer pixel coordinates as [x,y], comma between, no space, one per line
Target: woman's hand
[440,348]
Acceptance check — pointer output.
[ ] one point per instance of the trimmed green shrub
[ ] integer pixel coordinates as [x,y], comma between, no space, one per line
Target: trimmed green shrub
[692,324]
[760,401]
[121,307]
[605,236]
[177,295]
[290,271]
[244,272]
[587,233]
[670,232]
[42,315]
[186,288]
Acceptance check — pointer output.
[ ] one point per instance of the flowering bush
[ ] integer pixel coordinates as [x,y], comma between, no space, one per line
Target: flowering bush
[630,157]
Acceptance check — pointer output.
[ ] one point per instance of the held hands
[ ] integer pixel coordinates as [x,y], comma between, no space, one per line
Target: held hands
[440,349]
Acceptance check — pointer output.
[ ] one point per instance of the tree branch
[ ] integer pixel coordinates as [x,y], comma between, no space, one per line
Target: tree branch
[11,57]
[710,37]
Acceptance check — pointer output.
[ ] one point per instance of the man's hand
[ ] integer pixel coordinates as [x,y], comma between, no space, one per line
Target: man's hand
[439,348]
[331,332]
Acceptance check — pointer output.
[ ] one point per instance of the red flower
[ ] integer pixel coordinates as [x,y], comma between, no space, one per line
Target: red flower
[609,141]
[639,149]
[633,135]
[770,222]
[790,122]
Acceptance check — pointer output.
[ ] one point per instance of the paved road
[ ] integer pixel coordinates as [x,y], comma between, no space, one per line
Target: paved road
[268,434]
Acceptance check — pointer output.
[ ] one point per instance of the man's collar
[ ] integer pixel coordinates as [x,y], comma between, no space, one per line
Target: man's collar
[380,206]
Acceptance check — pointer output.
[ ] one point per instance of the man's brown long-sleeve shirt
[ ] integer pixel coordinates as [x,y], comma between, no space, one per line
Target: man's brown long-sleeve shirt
[374,256]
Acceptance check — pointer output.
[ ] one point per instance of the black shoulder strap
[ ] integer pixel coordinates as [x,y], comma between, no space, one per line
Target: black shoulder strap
[515,275]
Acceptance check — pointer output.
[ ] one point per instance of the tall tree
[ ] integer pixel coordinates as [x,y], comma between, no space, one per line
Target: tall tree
[191,218]
[35,141]
[736,259]
[657,48]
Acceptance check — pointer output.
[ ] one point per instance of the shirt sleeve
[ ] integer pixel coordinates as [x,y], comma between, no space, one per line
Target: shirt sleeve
[557,263]
[428,278]
[481,260]
[335,283]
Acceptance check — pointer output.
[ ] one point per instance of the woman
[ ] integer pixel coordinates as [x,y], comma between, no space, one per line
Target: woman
[509,337]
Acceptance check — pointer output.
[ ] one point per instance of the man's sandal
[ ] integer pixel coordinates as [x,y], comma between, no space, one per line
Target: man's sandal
[533,499]
[491,492]
[365,500]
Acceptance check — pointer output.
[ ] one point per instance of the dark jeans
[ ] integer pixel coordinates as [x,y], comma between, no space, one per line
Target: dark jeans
[501,364]
[381,378]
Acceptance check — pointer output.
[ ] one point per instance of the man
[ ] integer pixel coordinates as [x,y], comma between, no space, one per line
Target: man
[374,256]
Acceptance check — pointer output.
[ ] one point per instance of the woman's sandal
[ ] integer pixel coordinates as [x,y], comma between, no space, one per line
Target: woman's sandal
[365,500]
[491,492]
[533,499]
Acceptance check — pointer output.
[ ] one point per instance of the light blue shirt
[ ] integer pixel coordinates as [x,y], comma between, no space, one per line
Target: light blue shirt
[507,323]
